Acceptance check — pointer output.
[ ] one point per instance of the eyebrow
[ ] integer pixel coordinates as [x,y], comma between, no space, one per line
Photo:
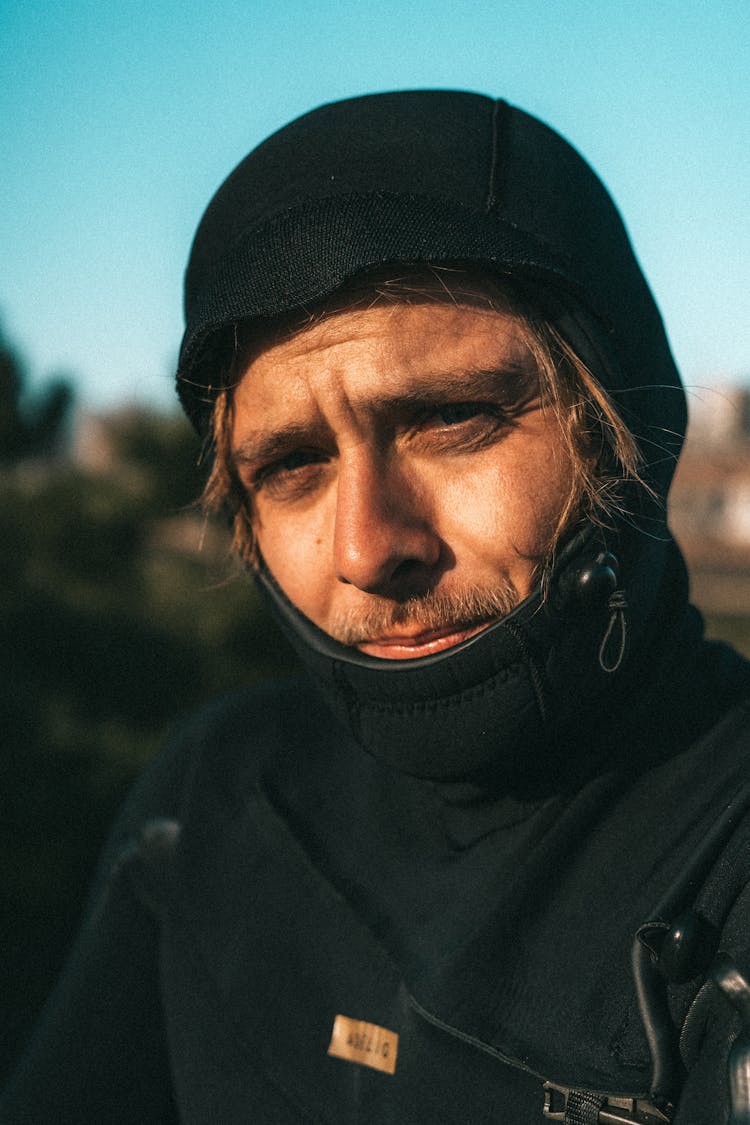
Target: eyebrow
[266,445]
[517,382]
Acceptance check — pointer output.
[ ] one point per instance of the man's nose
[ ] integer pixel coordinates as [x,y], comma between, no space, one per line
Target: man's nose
[384,541]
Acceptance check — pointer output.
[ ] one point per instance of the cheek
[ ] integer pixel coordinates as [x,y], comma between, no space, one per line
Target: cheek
[543,486]
[510,506]
[298,554]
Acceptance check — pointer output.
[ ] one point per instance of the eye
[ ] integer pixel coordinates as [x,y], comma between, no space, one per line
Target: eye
[292,461]
[454,413]
[461,427]
[293,473]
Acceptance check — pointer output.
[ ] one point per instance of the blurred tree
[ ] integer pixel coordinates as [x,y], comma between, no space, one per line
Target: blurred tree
[12,430]
[48,426]
[33,428]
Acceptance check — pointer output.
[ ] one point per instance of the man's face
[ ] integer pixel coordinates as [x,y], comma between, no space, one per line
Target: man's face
[405,478]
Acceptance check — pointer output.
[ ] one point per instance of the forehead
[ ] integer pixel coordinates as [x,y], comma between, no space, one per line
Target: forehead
[384,350]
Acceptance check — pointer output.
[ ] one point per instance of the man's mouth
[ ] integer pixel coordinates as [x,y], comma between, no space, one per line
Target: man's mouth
[424,625]
[410,646]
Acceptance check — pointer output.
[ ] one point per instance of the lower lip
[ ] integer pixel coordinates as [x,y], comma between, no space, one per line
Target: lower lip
[426,644]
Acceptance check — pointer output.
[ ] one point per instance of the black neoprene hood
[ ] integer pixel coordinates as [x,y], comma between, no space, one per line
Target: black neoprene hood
[447,177]
[433,176]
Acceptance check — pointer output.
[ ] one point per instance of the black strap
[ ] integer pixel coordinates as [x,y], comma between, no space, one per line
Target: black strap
[583,1108]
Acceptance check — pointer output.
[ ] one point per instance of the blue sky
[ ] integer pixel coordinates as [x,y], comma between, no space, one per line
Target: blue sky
[119,120]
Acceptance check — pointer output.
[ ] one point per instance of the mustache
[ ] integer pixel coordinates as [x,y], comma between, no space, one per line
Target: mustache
[424,613]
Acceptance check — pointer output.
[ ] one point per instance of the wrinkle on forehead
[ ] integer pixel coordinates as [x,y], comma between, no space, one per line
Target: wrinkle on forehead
[361,348]
[361,324]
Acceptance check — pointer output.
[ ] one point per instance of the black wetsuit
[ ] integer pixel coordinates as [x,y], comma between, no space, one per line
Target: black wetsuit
[268,875]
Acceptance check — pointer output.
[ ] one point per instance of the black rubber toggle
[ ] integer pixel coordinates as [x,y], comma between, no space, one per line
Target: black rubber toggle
[687,948]
[598,581]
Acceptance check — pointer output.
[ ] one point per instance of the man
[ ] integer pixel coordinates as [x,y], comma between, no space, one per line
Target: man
[489,863]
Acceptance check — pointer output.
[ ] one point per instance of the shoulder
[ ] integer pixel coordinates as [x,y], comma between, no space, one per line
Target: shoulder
[229,743]
[210,758]
[717,761]
[723,748]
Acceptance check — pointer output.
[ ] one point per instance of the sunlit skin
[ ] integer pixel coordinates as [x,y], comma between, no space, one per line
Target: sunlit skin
[397,453]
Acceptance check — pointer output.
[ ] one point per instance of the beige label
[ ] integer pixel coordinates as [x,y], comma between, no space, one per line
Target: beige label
[364,1043]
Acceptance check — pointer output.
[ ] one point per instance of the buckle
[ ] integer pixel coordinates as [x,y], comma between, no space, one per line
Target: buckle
[561,1101]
